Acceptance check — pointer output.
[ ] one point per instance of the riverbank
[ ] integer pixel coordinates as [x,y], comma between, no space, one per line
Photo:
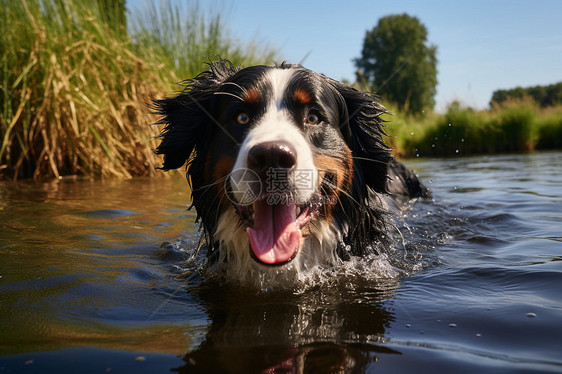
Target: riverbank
[518,126]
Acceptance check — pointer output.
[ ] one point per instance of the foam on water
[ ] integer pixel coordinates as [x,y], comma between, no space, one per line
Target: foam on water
[386,262]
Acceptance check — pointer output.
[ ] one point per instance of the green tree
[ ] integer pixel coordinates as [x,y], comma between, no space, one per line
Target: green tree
[544,96]
[397,63]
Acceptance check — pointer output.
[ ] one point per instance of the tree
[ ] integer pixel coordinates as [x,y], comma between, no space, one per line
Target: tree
[397,63]
[544,96]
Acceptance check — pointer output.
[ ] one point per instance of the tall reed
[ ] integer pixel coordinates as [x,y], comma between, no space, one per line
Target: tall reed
[75,88]
[549,128]
[181,36]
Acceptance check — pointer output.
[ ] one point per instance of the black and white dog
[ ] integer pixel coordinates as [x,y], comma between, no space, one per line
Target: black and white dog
[288,168]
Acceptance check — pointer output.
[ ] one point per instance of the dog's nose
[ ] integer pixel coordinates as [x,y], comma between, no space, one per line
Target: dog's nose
[274,155]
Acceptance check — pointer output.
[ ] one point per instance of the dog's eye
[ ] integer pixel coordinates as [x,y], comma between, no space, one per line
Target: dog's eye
[312,119]
[243,118]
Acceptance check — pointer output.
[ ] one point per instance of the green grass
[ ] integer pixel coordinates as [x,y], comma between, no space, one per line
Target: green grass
[74,89]
[180,38]
[518,126]
[549,129]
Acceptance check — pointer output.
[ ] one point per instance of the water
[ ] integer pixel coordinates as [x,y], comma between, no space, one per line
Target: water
[100,276]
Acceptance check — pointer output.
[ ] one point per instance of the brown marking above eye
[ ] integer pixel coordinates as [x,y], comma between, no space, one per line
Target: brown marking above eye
[251,96]
[301,96]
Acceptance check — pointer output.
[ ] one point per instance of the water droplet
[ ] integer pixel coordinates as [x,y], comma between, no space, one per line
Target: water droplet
[531,315]
[478,335]
[411,133]
[456,151]
[433,146]
[408,325]
[452,325]
[417,155]
[449,125]
[462,140]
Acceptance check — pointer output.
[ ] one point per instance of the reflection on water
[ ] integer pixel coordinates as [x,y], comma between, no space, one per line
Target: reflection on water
[288,330]
[98,276]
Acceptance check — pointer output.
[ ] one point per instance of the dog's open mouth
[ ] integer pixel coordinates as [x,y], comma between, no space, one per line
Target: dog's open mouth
[275,233]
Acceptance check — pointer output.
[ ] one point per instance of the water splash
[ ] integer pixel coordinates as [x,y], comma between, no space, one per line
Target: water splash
[386,263]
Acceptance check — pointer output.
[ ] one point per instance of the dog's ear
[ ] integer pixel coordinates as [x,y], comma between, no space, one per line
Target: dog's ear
[362,129]
[187,116]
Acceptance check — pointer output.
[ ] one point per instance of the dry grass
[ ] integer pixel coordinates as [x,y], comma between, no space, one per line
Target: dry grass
[75,89]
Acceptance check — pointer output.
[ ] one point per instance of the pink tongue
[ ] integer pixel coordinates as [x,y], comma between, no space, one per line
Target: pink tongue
[275,236]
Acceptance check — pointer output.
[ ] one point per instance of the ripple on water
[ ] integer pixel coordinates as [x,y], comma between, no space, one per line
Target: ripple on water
[108,213]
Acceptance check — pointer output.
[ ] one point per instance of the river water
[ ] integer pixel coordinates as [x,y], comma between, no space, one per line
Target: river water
[101,276]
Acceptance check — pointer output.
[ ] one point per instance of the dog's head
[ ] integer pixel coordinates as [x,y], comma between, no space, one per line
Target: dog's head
[280,159]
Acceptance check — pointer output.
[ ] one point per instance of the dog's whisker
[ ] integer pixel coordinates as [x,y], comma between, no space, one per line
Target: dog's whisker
[234,84]
[229,94]
[213,201]
[222,179]
[335,191]
[340,190]
[369,159]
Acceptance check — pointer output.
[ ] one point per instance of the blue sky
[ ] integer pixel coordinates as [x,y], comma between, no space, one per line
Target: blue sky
[483,45]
